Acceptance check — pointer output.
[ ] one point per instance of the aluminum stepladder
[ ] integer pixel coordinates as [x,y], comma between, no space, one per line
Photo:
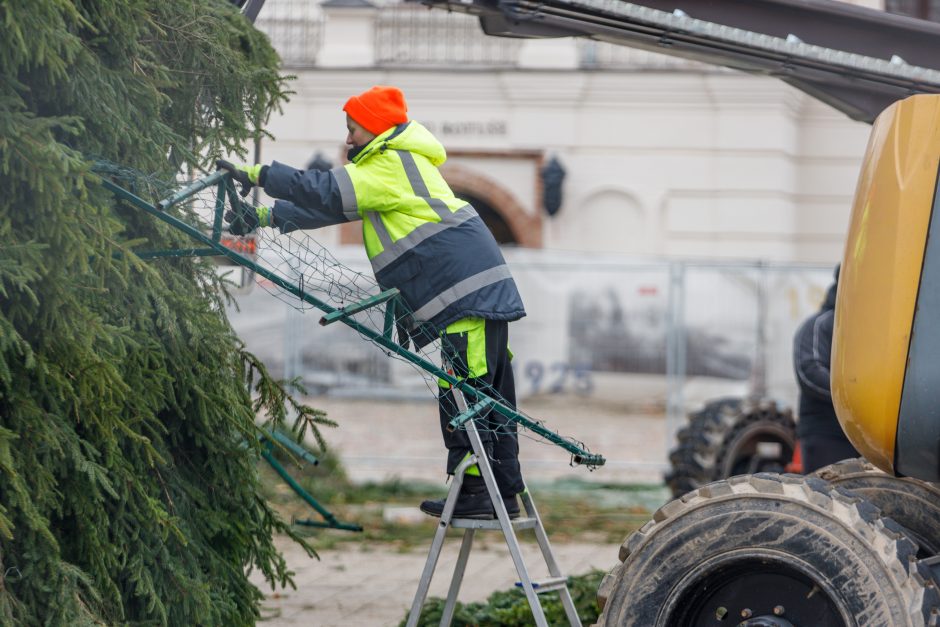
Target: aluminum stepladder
[555,582]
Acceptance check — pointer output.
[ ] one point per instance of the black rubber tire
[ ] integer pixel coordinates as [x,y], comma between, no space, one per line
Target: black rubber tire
[913,503]
[721,440]
[692,464]
[862,564]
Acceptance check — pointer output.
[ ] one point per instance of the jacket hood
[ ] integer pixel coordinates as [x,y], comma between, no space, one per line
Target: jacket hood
[411,136]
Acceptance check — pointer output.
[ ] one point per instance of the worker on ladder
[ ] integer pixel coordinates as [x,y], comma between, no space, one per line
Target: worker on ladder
[432,247]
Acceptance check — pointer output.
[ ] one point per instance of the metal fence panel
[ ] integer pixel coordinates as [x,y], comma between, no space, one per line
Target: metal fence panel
[295,28]
[412,35]
[693,331]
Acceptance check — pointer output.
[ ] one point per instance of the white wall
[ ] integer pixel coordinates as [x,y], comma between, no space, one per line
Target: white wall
[689,162]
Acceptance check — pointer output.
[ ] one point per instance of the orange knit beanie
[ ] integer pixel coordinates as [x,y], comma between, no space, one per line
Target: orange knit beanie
[378,109]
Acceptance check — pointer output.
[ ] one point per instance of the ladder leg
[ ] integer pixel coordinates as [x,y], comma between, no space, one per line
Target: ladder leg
[448,615]
[487,471]
[567,602]
[435,552]
[512,543]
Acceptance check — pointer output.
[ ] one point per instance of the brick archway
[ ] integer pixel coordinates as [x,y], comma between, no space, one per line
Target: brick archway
[525,227]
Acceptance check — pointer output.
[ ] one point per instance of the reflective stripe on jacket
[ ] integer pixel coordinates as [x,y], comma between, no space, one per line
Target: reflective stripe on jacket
[419,237]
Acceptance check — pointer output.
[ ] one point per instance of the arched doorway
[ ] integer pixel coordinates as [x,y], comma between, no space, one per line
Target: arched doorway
[508,220]
[510,223]
[492,219]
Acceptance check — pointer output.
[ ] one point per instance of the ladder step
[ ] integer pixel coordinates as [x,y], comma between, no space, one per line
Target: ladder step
[547,585]
[491,525]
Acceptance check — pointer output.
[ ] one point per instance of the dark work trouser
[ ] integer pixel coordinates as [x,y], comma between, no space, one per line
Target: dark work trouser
[821,450]
[499,436]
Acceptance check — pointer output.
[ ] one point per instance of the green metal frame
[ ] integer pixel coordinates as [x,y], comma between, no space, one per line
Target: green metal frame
[329,520]
[225,190]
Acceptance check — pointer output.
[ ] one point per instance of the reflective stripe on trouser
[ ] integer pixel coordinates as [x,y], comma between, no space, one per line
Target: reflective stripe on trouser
[498,434]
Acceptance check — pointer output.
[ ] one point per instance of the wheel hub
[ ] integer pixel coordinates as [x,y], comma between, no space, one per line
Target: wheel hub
[757,594]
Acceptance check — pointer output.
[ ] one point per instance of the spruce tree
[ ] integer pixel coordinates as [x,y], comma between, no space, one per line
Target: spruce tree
[128,486]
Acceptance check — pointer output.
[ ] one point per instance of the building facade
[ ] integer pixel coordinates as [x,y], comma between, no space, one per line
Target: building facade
[579,145]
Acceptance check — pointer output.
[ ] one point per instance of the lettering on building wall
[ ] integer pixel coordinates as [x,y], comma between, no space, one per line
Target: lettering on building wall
[465,128]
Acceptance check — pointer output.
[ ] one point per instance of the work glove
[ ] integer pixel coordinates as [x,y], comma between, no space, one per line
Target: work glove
[246,218]
[246,175]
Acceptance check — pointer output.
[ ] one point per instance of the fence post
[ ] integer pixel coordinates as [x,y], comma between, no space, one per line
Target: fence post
[758,383]
[675,351]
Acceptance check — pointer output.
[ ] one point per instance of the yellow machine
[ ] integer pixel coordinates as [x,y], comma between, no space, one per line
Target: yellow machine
[886,349]
[858,542]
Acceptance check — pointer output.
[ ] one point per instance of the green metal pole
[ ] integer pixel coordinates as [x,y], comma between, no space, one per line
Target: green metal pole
[219,210]
[194,188]
[292,446]
[312,502]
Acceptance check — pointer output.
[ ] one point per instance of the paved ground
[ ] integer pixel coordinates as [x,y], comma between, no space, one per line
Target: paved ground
[377,440]
[366,587]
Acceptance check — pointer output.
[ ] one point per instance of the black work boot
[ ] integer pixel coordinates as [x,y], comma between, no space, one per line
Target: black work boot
[473,501]
[512,506]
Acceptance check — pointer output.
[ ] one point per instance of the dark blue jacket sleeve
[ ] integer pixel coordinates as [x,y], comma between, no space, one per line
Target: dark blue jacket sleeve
[307,199]
[287,217]
[812,353]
